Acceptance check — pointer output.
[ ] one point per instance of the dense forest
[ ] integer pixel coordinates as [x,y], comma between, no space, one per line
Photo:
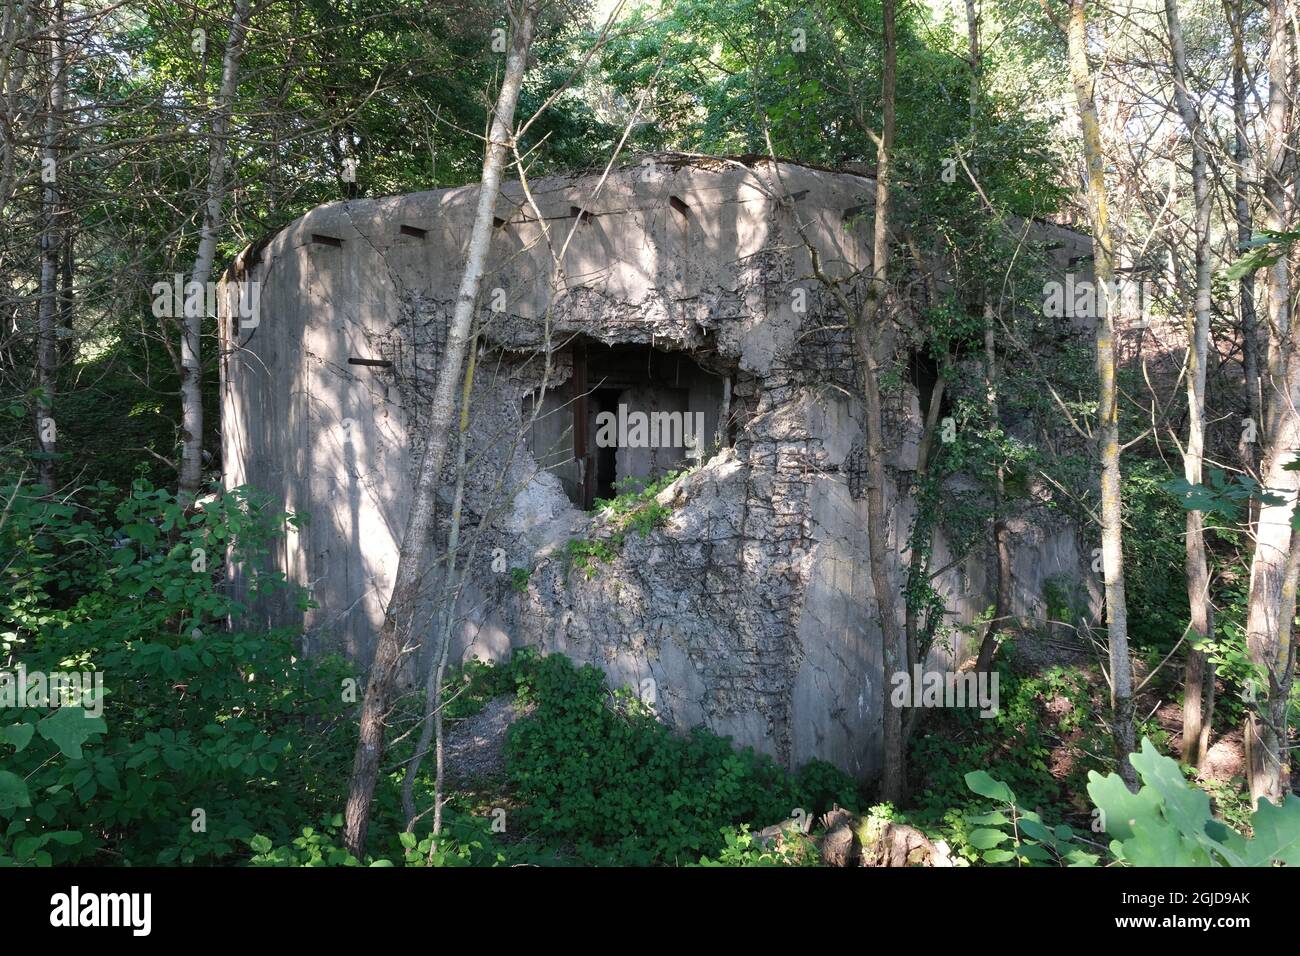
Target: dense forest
[1072,267]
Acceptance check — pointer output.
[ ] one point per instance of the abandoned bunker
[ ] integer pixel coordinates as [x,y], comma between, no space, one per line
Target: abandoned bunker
[657,328]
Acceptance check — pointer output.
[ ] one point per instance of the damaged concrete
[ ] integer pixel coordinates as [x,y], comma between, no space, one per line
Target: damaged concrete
[749,608]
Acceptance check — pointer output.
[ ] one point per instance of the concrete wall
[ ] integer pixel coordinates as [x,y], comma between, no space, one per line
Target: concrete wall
[751,609]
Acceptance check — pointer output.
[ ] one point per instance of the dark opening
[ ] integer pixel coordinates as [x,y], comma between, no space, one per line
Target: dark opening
[604,470]
[923,371]
[629,415]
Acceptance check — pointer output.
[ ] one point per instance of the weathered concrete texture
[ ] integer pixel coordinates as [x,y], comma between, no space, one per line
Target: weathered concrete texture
[751,609]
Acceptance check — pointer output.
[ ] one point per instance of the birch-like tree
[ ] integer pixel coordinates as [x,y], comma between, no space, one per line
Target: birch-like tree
[1110,511]
[396,635]
[1198,685]
[200,274]
[1271,604]
[53,231]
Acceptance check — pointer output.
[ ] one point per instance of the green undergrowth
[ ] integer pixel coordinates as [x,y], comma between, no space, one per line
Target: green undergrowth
[593,777]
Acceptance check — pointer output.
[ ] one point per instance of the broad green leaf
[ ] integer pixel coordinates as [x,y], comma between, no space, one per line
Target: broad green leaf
[985,839]
[20,735]
[1036,831]
[995,819]
[69,728]
[13,792]
[980,782]
[1277,834]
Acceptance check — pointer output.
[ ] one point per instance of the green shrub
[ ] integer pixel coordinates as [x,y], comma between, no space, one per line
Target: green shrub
[596,772]
[465,841]
[1011,834]
[634,508]
[740,849]
[206,736]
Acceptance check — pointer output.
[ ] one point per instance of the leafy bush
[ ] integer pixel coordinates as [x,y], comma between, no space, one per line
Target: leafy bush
[740,849]
[596,771]
[1012,834]
[465,841]
[206,736]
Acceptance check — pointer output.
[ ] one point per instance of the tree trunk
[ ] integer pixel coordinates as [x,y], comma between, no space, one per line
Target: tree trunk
[19,27]
[1001,536]
[893,780]
[1270,613]
[195,297]
[396,632]
[1107,437]
[1197,719]
[1251,348]
[47,310]
[431,728]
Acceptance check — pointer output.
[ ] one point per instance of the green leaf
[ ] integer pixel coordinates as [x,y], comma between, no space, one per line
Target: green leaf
[998,856]
[20,735]
[13,792]
[69,728]
[260,844]
[1034,853]
[25,846]
[980,782]
[1036,831]
[1277,834]
[985,839]
[995,819]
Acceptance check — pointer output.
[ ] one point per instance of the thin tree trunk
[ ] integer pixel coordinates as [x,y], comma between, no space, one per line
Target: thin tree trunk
[893,781]
[19,26]
[191,471]
[1251,349]
[67,298]
[1108,450]
[1001,537]
[432,724]
[1270,611]
[918,567]
[1197,719]
[396,631]
[47,341]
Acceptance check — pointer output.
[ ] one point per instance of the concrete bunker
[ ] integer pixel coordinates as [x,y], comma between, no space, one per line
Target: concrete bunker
[685,292]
